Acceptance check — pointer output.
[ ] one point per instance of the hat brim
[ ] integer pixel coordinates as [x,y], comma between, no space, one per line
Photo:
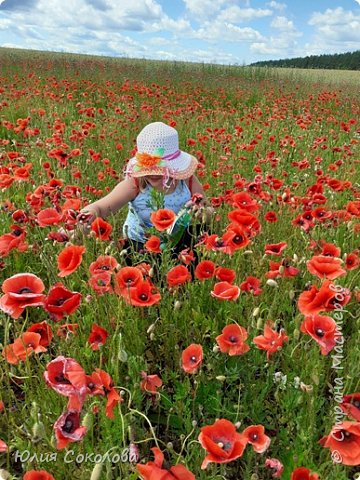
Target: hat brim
[182,167]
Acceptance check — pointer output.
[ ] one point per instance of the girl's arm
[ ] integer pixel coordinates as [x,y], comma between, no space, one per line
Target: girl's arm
[124,192]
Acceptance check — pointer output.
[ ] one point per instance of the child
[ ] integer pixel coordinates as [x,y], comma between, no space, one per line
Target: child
[159,165]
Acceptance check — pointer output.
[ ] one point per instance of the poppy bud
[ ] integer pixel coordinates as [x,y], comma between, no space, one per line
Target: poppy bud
[254,477]
[169,446]
[87,421]
[216,348]
[122,355]
[34,411]
[151,272]
[4,474]
[295,258]
[306,388]
[221,378]
[256,312]
[237,425]
[150,329]
[271,283]
[96,473]
[123,253]
[296,334]
[38,431]
[259,323]
[281,269]
[152,336]
[291,294]
[194,423]
[177,305]
[248,252]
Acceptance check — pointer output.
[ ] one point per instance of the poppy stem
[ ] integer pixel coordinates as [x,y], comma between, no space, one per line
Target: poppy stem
[148,421]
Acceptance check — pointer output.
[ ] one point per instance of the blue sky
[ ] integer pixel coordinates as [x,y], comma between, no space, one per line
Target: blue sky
[220,31]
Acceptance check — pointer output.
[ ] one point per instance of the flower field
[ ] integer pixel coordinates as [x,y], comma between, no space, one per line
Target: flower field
[237,360]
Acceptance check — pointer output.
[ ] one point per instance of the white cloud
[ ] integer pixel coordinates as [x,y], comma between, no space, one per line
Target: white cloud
[236,14]
[283,24]
[277,5]
[335,30]
[219,32]
[204,8]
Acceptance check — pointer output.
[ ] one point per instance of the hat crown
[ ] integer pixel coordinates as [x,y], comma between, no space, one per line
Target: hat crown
[157,135]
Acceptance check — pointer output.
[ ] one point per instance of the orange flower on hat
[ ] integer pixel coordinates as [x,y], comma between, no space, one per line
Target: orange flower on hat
[145,160]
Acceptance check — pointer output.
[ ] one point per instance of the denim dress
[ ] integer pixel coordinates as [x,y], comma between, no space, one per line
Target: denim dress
[138,217]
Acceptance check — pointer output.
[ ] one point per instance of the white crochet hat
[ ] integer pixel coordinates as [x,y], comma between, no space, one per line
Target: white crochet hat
[158,153]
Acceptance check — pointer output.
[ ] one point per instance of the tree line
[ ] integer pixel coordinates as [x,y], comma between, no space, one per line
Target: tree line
[337,61]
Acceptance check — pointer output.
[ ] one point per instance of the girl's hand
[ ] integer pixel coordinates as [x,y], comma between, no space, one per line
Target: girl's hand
[84,221]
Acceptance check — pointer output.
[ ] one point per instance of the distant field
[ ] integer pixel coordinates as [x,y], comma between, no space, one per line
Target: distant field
[330,77]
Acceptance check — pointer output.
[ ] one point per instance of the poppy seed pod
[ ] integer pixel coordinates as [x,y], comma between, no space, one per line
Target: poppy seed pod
[96,472]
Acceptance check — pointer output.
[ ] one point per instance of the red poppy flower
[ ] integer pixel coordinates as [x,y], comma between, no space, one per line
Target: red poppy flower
[104,263]
[224,274]
[67,329]
[101,282]
[255,435]
[44,330]
[150,383]
[126,278]
[204,270]
[222,442]
[352,261]
[271,217]
[192,358]
[244,201]
[275,248]
[225,291]
[23,347]
[21,290]
[217,244]
[153,470]
[153,244]
[275,465]
[235,237]
[246,220]
[12,241]
[303,473]
[38,475]
[143,294]
[186,256]
[67,377]
[327,298]
[344,442]
[97,337]
[3,447]
[252,285]
[113,398]
[69,259]
[49,216]
[67,429]
[351,405]
[324,266]
[232,340]
[271,341]
[60,301]
[329,249]
[178,275]
[162,219]
[101,229]
[281,269]
[322,329]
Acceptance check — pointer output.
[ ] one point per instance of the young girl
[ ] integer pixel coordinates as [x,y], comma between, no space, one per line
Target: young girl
[158,165]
